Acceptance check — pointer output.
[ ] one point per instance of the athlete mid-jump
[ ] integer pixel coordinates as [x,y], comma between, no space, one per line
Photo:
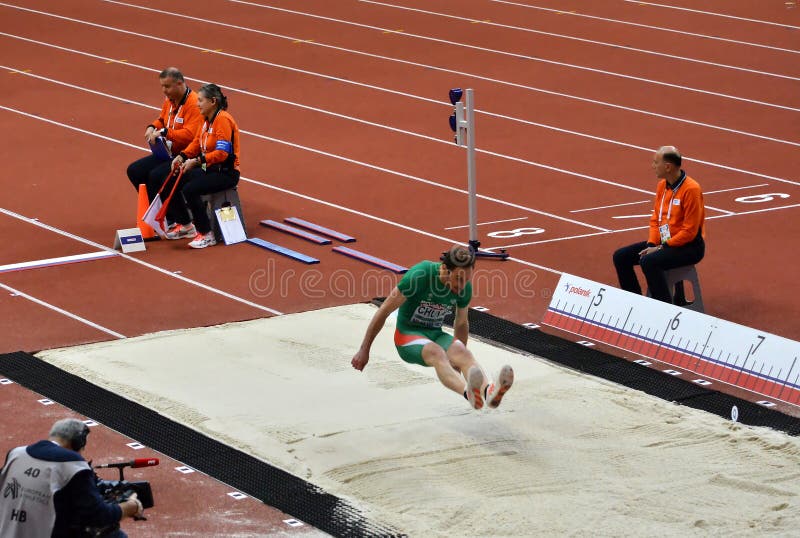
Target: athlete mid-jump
[425,295]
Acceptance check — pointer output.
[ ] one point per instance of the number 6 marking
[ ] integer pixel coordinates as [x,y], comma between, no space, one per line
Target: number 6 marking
[758,198]
[506,234]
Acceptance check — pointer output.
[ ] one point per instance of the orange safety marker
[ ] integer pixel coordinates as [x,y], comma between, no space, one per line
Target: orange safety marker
[141,208]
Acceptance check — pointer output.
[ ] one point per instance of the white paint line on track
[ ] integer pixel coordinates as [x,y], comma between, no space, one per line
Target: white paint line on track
[249,180]
[527,57]
[610,206]
[737,188]
[376,167]
[765,210]
[61,310]
[484,223]
[126,256]
[583,40]
[714,14]
[649,27]
[352,51]
[51,262]
[567,238]
[439,102]
[646,216]
[393,129]
[433,183]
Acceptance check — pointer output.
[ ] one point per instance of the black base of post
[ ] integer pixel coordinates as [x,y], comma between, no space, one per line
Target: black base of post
[474,246]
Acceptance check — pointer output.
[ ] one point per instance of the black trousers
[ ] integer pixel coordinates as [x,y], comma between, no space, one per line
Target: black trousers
[194,184]
[150,171]
[654,266]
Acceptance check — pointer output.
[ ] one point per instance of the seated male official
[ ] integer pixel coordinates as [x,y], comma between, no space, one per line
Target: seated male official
[178,123]
[48,489]
[676,230]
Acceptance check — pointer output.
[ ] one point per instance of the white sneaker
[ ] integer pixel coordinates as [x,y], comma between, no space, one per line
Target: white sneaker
[474,382]
[495,391]
[179,231]
[203,240]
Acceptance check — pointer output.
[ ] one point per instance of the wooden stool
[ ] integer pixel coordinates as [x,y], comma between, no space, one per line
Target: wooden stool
[220,199]
[675,283]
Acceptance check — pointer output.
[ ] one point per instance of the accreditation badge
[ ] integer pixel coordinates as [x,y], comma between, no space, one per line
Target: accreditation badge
[663,230]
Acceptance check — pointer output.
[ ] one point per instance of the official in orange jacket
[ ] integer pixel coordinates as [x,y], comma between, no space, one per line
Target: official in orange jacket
[676,229]
[210,164]
[178,123]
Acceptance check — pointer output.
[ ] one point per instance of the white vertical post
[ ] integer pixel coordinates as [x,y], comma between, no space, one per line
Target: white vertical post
[471,171]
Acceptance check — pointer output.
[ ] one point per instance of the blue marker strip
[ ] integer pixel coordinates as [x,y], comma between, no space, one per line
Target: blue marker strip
[296,231]
[320,229]
[370,259]
[282,250]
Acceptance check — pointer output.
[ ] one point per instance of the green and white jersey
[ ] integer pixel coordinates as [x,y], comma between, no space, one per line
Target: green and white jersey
[428,300]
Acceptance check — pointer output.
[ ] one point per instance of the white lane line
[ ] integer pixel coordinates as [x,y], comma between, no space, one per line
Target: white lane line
[737,188]
[484,223]
[610,206]
[508,157]
[50,262]
[765,210]
[441,185]
[650,27]
[582,40]
[528,57]
[62,311]
[131,258]
[595,234]
[393,129]
[429,67]
[646,216]
[255,182]
[650,201]
[372,166]
[724,15]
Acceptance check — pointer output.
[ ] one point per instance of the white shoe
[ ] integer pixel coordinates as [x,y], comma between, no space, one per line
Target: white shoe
[474,382]
[495,391]
[203,240]
[179,231]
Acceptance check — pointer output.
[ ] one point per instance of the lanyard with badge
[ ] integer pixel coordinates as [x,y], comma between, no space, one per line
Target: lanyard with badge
[177,118]
[208,129]
[663,229]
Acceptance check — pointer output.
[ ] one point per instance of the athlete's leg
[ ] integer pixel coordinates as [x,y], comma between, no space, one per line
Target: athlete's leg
[462,360]
[435,356]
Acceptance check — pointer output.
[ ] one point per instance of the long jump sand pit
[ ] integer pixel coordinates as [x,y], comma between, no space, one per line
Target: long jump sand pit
[565,454]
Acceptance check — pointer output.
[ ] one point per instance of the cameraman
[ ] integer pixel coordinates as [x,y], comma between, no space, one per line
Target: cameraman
[48,489]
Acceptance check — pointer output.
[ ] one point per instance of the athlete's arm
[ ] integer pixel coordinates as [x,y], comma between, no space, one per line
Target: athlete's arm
[461,325]
[392,303]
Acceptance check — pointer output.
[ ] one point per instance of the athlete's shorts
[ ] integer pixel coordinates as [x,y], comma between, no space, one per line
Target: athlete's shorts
[409,344]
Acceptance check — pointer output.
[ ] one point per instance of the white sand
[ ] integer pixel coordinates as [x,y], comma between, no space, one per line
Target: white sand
[566,454]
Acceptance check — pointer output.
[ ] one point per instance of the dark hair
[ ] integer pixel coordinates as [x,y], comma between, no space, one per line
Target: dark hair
[212,91]
[458,256]
[672,157]
[171,72]
[71,430]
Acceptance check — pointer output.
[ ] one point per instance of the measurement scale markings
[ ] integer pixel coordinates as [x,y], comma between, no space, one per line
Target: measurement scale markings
[703,350]
[621,330]
[787,377]
[769,374]
[644,343]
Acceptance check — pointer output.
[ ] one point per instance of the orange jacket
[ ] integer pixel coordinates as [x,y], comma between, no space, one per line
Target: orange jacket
[217,143]
[182,120]
[682,209]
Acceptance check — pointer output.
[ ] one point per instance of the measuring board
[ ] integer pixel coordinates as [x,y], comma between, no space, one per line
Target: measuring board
[710,347]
